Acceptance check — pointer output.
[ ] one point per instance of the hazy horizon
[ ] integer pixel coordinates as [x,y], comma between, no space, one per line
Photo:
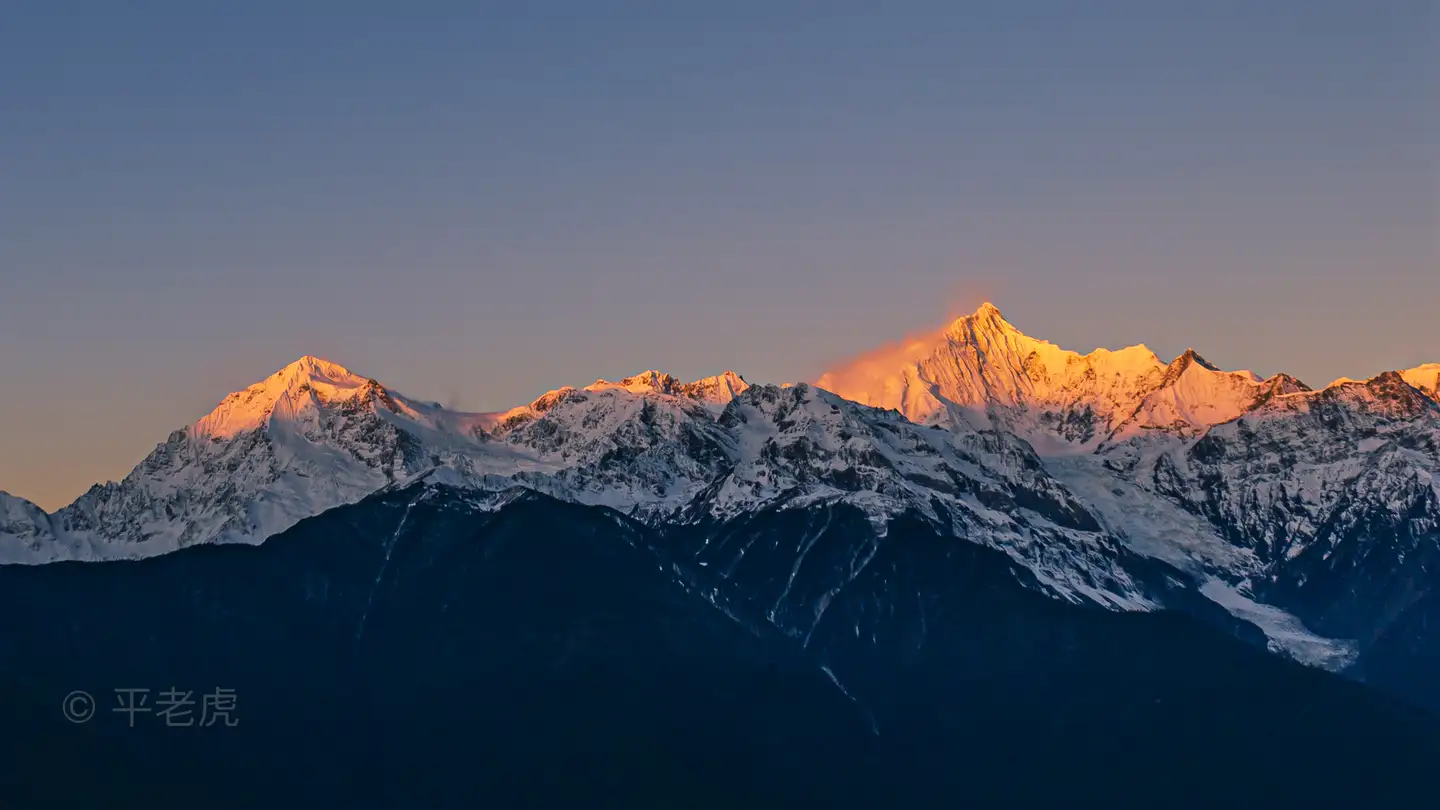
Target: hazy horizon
[476,205]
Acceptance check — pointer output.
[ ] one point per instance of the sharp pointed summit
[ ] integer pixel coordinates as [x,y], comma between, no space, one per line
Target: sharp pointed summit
[987,312]
[309,380]
[983,371]
[312,366]
[1189,357]
[987,318]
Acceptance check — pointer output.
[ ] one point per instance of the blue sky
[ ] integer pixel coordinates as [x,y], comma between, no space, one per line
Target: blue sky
[477,202]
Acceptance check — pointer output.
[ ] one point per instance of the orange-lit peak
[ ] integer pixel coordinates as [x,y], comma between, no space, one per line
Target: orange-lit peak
[987,313]
[287,388]
[722,387]
[1426,378]
[311,366]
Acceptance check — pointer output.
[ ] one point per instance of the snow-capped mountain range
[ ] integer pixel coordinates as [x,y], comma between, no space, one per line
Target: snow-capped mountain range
[1311,513]
[1321,502]
[314,436]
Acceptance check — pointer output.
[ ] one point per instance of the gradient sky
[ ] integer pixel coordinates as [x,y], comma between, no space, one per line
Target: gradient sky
[477,202]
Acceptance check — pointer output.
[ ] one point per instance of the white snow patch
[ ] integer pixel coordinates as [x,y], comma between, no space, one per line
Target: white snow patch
[1286,633]
[1151,525]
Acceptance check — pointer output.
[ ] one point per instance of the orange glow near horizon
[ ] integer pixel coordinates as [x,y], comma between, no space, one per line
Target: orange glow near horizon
[963,298]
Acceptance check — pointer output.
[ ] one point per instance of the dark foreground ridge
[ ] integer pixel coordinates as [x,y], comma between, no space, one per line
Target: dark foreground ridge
[416,650]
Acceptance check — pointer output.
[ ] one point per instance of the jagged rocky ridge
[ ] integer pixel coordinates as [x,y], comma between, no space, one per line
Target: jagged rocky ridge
[1263,495]
[315,436]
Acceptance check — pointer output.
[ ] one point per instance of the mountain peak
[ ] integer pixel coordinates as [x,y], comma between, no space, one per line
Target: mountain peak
[311,366]
[981,369]
[1191,357]
[646,381]
[985,320]
[1396,388]
[1285,384]
[315,362]
[656,380]
[727,378]
[310,376]
[1426,378]
[716,391]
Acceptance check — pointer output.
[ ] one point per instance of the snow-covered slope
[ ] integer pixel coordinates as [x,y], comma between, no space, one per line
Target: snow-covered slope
[1322,502]
[309,437]
[25,530]
[982,371]
[1426,378]
[316,435]
[803,446]
[669,458]
[1336,491]
[713,392]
